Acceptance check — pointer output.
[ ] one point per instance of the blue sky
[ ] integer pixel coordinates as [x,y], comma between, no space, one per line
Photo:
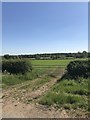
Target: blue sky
[30,28]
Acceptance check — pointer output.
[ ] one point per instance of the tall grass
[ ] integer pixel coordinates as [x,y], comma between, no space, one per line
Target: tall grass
[68,94]
[8,80]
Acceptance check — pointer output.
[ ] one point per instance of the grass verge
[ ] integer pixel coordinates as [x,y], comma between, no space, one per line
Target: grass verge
[68,94]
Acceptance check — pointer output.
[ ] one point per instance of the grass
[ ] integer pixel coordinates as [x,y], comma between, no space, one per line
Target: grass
[8,80]
[52,63]
[27,88]
[40,67]
[61,100]
[36,84]
[68,94]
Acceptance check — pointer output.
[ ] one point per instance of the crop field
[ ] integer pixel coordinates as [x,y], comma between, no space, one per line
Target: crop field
[52,63]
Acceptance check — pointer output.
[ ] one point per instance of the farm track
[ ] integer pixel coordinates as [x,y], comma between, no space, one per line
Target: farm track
[13,88]
[20,108]
[42,90]
[18,89]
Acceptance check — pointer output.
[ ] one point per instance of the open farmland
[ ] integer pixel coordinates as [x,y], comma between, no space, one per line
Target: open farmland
[39,94]
[52,63]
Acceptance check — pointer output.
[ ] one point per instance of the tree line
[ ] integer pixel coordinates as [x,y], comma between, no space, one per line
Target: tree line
[50,56]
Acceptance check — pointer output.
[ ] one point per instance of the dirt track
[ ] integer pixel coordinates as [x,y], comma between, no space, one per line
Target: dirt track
[20,110]
[13,108]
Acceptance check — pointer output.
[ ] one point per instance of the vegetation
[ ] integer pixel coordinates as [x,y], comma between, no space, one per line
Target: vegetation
[16,66]
[36,84]
[13,79]
[71,91]
[50,56]
[76,69]
[69,94]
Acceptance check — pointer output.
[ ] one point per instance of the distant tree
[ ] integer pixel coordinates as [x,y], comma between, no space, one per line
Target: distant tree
[79,55]
[85,54]
[6,56]
[37,56]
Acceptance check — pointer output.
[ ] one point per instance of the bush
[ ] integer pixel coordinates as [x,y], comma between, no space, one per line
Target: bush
[16,66]
[77,69]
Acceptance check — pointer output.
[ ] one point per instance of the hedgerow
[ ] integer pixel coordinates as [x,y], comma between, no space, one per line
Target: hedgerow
[76,69]
[16,66]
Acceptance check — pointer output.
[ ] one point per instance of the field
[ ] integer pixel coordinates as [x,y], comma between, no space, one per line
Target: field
[52,63]
[43,91]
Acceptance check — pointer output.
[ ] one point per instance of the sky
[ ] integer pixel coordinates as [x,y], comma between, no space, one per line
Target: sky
[30,28]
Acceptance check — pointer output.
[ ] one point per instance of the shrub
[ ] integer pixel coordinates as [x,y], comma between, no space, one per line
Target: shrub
[76,69]
[16,66]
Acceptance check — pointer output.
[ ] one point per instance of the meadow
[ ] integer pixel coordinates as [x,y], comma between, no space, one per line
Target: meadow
[53,63]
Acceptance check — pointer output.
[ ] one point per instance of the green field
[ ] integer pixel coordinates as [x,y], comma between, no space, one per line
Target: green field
[52,63]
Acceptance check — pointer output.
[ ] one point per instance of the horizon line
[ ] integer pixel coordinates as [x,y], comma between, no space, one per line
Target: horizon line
[41,53]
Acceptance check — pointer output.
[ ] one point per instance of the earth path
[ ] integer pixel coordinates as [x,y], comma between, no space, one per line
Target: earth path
[14,108]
